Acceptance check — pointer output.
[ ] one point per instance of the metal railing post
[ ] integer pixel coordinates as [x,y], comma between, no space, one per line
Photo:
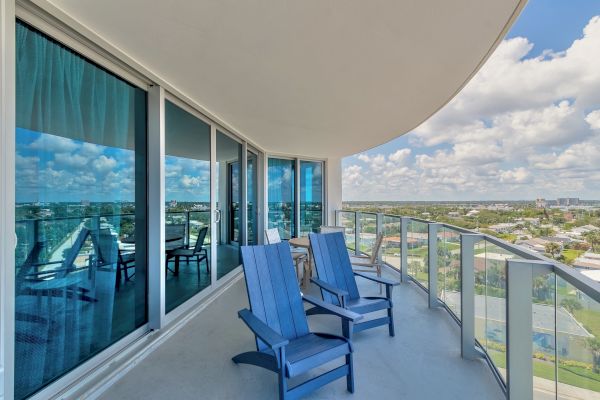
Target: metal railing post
[432,259]
[467,301]
[519,325]
[379,231]
[337,217]
[519,346]
[404,221]
[357,229]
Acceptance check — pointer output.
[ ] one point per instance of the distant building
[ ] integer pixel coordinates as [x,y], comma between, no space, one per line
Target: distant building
[588,261]
[536,244]
[473,213]
[173,203]
[540,203]
[567,201]
[504,227]
[454,214]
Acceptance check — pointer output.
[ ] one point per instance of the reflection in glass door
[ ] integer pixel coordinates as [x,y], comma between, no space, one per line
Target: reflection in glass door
[228,196]
[187,207]
[252,182]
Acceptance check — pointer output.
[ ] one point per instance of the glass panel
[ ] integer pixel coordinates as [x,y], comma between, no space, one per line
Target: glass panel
[391,246]
[490,301]
[281,202]
[417,257]
[311,196]
[187,208]
[80,210]
[577,343]
[449,268]
[368,232]
[347,220]
[229,198]
[252,182]
[543,338]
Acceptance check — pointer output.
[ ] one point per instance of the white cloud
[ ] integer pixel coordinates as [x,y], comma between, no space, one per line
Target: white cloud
[104,164]
[593,119]
[522,127]
[54,144]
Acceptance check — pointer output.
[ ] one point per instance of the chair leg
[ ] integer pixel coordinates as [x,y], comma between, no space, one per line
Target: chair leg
[350,376]
[390,313]
[282,385]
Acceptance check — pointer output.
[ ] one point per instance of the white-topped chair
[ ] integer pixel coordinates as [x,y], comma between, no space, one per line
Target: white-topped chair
[299,257]
[332,229]
[369,263]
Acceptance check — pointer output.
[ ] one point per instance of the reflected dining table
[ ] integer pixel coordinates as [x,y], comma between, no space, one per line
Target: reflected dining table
[304,243]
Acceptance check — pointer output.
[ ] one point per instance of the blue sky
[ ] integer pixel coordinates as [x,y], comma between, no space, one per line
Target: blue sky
[526,126]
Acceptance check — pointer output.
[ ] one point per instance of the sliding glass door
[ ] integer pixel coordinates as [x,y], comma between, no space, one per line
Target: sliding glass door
[187,207]
[311,196]
[252,194]
[229,199]
[281,196]
[81,256]
[286,204]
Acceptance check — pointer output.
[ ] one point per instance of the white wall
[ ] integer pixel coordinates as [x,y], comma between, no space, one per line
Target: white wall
[334,188]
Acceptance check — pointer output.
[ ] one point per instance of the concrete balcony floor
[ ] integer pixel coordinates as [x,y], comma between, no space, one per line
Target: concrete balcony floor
[422,362]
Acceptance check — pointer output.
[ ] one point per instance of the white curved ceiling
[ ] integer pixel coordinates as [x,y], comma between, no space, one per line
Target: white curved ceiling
[311,77]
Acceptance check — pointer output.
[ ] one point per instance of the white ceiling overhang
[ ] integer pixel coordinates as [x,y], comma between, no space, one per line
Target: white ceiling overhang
[313,77]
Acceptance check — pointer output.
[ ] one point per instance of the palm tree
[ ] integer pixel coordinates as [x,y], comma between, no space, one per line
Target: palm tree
[593,239]
[553,249]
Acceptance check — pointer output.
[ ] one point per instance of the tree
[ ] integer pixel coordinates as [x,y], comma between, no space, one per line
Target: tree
[571,305]
[553,249]
[593,239]
[594,345]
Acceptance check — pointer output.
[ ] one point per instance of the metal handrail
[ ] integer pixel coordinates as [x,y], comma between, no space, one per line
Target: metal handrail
[526,264]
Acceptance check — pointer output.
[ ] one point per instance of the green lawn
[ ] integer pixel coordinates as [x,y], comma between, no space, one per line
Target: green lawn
[589,319]
[574,376]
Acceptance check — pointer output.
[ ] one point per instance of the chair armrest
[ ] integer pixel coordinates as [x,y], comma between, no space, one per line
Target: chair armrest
[378,279]
[339,311]
[360,256]
[340,293]
[264,332]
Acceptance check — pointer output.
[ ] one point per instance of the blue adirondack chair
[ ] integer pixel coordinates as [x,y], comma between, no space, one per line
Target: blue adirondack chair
[337,282]
[284,343]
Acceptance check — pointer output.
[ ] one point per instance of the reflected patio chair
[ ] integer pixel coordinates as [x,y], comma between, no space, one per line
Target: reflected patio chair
[109,253]
[197,252]
[298,256]
[174,240]
[337,282]
[284,343]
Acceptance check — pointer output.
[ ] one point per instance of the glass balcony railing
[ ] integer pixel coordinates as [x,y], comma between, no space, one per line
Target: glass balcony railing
[520,311]
[368,232]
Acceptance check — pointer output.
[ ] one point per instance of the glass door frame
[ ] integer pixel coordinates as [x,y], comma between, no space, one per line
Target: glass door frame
[297,189]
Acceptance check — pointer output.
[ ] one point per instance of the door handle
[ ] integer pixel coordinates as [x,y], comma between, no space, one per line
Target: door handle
[217,216]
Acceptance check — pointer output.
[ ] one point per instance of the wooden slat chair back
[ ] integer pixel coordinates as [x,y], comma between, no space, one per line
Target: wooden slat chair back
[333,265]
[277,318]
[273,291]
[337,282]
[332,229]
[272,236]
[376,249]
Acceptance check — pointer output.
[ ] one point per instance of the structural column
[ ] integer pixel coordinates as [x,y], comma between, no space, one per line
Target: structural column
[156,207]
[7,197]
